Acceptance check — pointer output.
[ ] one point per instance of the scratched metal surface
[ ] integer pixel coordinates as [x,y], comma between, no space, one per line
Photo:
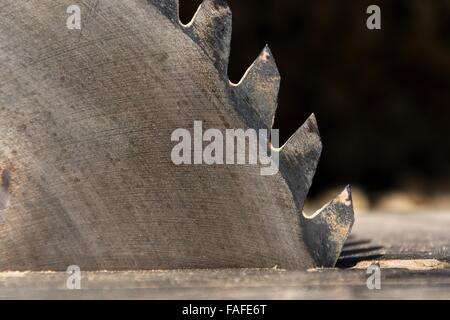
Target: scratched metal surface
[87,176]
[387,238]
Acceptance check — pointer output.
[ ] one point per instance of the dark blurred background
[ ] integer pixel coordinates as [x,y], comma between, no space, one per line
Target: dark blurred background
[382,97]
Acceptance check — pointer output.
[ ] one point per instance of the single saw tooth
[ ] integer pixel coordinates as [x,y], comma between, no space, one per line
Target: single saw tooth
[299,158]
[211,28]
[167,7]
[260,86]
[326,231]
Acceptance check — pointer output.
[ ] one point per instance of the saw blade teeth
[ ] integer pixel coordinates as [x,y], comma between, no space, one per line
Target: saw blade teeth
[167,7]
[299,158]
[260,86]
[326,231]
[211,28]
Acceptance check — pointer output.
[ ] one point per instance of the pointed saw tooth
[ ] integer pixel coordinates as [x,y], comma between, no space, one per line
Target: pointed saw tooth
[167,7]
[260,85]
[299,158]
[326,231]
[211,29]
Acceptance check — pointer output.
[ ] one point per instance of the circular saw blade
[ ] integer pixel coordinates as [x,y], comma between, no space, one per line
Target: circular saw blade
[85,148]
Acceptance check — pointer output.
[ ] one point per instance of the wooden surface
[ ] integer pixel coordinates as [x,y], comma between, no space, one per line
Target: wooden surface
[413,251]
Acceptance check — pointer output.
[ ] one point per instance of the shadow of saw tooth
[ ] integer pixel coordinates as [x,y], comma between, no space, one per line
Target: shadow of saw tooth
[211,29]
[260,86]
[167,7]
[326,231]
